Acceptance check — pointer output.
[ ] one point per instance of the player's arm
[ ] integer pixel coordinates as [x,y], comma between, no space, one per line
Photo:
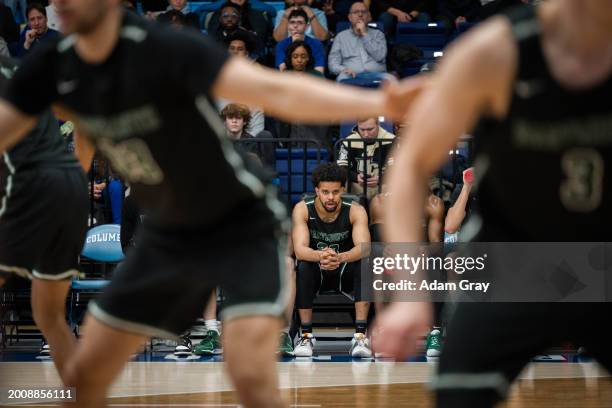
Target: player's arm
[435,213]
[456,214]
[14,125]
[84,150]
[304,98]
[361,234]
[474,79]
[301,235]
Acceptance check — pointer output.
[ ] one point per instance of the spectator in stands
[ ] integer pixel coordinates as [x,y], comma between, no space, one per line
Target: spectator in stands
[236,118]
[360,51]
[9,30]
[299,58]
[327,236]
[36,31]
[365,173]
[336,10]
[242,45]
[251,20]
[180,6]
[297,32]
[228,24]
[175,18]
[154,7]
[457,213]
[402,11]
[315,19]
[454,12]
[14,5]
[493,7]
[269,10]
[53,20]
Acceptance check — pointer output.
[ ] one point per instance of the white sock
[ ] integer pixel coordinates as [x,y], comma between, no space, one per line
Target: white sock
[212,324]
[285,329]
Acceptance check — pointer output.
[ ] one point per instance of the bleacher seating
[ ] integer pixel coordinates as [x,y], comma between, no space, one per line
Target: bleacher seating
[295,170]
[426,36]
[103,250]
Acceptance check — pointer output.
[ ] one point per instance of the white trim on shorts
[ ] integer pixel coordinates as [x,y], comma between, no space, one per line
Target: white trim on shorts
[494,380]
[70,273]
[19,271]
[125,325]
[9,184]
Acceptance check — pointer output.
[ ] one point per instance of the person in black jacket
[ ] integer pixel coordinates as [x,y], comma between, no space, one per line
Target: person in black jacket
[9,30]
[402,11]
[181,6]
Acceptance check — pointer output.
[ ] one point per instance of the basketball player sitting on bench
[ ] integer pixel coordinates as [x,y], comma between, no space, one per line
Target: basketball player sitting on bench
[327,233]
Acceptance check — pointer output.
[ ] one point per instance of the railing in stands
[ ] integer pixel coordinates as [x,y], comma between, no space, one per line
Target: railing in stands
[307,153]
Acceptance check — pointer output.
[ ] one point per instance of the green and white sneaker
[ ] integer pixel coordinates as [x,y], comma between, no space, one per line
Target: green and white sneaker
[210,345]
[285,348]
[433,346]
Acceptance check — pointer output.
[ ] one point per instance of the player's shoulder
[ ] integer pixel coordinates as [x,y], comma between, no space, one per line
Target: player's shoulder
[356,209]
[300,211]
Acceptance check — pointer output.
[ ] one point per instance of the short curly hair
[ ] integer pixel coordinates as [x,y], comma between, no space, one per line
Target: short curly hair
[328,172]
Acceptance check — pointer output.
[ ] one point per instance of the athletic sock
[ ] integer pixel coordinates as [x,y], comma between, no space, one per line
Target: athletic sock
[361,326]
[212,324]
[307,328]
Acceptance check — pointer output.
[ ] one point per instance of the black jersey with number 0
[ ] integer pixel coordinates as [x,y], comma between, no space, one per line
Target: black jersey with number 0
[147,107]
[553,153]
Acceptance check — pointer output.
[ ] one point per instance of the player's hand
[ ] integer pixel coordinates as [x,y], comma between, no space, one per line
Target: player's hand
[468,176]
[399,326]
[399,95]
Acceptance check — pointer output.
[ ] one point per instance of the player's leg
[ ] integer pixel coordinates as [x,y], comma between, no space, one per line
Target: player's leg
[487,347]
[92,371]
[286,342]
[49,311]
[592,333]
[350,279]
[59,262]
[250,345]
[256,288]
[308,283]
[162,266]
[211,343]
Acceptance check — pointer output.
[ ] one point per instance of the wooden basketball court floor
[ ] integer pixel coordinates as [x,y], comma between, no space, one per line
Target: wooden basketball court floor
[321,383]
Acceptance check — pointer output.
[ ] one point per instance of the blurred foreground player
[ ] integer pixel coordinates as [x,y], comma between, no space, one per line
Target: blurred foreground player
[541,82]
[41,232]
[142,94]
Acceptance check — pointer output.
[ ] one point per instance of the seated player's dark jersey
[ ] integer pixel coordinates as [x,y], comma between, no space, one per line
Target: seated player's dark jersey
[147,107]
[553,152]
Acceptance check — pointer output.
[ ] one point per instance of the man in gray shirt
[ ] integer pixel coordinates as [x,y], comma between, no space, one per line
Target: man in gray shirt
[359,51]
